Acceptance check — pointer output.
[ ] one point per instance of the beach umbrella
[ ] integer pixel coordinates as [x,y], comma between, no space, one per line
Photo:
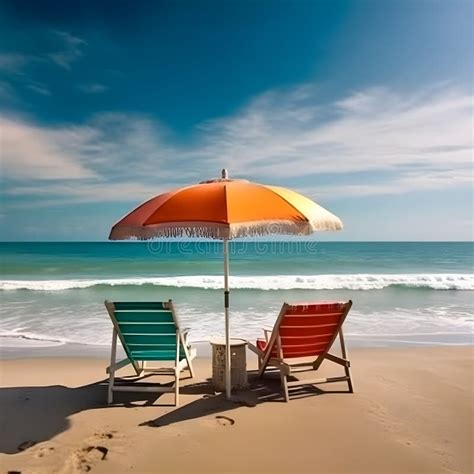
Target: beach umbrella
[225,209]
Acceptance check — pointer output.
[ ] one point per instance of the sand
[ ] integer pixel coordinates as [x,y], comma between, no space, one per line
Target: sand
[412,413]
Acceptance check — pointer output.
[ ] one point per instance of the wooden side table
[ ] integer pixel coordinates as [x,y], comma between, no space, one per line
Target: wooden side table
[238,361]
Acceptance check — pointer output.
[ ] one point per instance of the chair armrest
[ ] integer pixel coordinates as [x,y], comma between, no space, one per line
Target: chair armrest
[255,349]
[337,360]
[117,366]
[185,333]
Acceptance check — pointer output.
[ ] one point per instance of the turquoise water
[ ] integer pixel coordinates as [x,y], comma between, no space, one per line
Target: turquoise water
[403,293]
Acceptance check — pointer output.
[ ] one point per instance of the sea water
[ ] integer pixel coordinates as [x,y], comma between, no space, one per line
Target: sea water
[404,293]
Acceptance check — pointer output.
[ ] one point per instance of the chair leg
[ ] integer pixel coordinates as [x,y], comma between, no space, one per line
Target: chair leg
[176,387]
[345,356]
[110,393]
[349,380]
[284,385]
[113,352]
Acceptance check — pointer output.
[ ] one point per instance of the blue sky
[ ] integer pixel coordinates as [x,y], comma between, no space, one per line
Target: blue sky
[364,106]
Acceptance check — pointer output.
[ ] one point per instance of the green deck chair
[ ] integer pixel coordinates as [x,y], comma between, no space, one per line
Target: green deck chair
[148,331]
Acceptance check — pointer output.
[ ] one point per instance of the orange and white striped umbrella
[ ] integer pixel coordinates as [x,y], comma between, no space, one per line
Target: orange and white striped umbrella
[225,209]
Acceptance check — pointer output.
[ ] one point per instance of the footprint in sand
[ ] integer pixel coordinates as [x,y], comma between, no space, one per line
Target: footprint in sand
[105,435]
[44,451]
[87,456]
[224,420]
[98,453]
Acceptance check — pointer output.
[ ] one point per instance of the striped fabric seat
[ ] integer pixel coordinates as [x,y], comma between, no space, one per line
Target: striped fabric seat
[304,331]
[148,331]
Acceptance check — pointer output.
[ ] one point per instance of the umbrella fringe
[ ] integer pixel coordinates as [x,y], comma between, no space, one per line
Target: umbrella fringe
[222,231]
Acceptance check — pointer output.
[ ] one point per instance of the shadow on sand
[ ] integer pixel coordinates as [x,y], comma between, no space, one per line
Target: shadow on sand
[30,415]
[259,391]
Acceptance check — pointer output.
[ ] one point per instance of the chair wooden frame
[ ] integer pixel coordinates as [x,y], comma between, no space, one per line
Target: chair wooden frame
[141,367]
[288,368]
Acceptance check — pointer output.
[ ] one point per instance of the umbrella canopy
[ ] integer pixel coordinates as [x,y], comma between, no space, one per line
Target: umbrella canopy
[225,209]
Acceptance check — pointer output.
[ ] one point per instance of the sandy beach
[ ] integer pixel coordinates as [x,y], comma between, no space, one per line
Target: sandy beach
[412,413]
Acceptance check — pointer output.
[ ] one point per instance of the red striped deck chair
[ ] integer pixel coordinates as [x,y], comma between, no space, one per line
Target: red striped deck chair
[300,341]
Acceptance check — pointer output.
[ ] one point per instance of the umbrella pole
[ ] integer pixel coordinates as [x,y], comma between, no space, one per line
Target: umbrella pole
[226,313]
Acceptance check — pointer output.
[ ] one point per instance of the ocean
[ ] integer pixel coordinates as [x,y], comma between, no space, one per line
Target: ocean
[403,293]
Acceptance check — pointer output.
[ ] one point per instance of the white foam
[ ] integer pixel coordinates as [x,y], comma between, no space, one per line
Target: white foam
[435,281]
[15,339]
[89,325]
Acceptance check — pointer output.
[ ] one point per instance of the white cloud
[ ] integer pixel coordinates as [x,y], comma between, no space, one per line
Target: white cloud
[416,142]
[396,184]
[31,152]
[112,157]
[371,130]
[86,191]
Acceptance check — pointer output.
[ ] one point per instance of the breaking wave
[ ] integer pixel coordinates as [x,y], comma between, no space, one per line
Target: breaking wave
[434,281]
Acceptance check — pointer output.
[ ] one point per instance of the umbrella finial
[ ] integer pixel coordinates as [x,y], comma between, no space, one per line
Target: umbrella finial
[224,174]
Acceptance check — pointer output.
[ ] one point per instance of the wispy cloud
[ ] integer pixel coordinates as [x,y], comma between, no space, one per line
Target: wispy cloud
[109,148]
[66,50]
[39,88]
[84,191]
[374,129]
[16,70]
[33,153]
[420,141]
[69,49]
[94,88]
[14,62]
[395,184]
